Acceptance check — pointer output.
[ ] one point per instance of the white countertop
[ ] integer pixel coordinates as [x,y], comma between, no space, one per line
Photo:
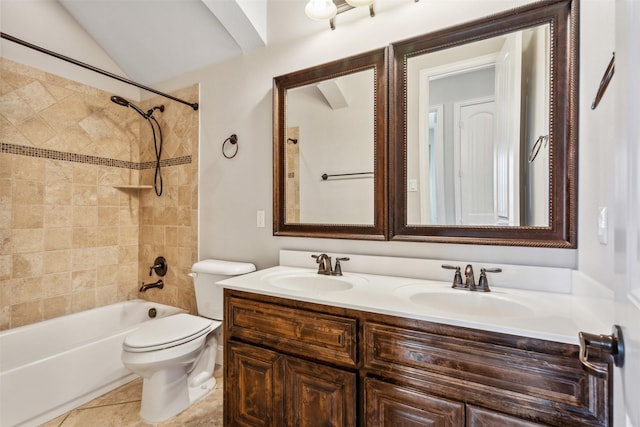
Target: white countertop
[543,315]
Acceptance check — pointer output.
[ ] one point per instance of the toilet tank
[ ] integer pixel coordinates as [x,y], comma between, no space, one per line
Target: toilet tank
[206,273]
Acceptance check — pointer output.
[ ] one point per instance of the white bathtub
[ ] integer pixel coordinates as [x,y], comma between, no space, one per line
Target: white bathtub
[51,367]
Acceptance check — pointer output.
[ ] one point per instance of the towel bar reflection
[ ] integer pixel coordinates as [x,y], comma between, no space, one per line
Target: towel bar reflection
[608,74]
[325,176]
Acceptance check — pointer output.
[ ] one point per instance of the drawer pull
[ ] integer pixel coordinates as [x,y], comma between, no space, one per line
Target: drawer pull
[612,344]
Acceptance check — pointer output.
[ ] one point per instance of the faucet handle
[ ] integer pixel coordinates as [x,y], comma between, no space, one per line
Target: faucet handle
[337,271]
[457,277]
[159,266]
[483,282]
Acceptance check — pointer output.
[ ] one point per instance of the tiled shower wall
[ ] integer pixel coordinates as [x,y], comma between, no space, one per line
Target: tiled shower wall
[70,239]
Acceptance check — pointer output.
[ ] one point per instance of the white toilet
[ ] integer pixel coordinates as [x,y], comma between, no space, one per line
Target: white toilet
[176,355]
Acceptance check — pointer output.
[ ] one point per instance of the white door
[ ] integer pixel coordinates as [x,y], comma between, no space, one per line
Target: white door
[508,84]
[474,153]
[627,146]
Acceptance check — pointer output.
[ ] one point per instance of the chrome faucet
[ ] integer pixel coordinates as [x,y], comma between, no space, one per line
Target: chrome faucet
[159,284]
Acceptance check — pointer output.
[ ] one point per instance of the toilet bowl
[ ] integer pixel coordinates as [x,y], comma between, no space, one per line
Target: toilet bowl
[176,355]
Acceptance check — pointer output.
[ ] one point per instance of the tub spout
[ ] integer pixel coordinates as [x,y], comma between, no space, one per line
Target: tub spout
[159,284]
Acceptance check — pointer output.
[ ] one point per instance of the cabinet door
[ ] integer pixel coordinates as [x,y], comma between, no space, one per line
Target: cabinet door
[478,417]
[253,386]
[391,405]
[318,395]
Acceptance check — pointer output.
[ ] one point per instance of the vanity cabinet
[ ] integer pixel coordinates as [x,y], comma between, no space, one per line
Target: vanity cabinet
[494,379]
[286,366]
[293,363]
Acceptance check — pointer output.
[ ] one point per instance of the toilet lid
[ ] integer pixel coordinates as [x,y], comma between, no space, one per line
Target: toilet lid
[168,332]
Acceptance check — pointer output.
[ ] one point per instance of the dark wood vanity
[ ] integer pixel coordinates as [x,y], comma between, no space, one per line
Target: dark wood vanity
[294,363]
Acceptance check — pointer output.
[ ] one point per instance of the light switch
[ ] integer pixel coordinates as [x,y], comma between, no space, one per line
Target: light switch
[603,225]
[260,220]
[412,185]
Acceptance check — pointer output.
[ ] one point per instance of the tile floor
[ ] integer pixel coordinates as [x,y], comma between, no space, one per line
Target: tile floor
[119,408]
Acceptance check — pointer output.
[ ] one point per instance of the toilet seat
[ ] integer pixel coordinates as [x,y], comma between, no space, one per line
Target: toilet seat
[168,332]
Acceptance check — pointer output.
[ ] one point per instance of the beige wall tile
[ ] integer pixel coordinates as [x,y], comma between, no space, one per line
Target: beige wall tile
[27,192]
[83,280]
[28,168]
[26,313]
[57,306]
[85,195]
[108,196]
[108,255]
[83,300]
[27,265]
[108,216]
[5,190]
[58,216]
[27,240]
[57,261]
[6,267]
[107,275]
[85,237]
[56,284]
[57,238]
[85,174]
[108,236]
[70,241]
[6,165]
[27,216]
[58,193]
[82,259]
[26,290]
[85,216]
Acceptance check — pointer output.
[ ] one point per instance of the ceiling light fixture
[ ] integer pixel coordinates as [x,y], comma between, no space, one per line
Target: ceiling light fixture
[321,9]
[358,3]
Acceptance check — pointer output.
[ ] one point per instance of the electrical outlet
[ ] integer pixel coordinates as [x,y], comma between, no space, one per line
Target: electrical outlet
[603,225]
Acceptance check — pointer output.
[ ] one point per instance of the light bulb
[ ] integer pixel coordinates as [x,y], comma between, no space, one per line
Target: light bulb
[357,3]
[321,9]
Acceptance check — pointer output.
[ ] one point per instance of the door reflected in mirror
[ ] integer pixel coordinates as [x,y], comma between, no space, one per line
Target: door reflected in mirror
[484,127]
[475,113]
[330,151]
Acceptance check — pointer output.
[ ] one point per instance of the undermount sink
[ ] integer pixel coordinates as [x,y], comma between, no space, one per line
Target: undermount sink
[312,282]
[485,304]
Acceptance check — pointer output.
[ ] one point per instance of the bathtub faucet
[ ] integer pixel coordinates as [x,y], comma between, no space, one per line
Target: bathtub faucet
[144,287]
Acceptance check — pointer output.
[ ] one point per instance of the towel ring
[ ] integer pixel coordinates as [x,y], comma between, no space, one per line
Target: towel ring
[536,147]
[233,140]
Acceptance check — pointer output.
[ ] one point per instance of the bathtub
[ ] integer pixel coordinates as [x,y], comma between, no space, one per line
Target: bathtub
[51,367]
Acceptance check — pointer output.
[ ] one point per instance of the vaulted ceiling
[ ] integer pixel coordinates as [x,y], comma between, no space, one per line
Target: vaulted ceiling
[155,40]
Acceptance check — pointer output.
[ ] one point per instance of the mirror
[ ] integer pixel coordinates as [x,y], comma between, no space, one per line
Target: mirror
[330,139]
[484,129]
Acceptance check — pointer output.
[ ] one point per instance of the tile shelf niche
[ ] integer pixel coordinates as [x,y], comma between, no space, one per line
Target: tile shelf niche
[133,187]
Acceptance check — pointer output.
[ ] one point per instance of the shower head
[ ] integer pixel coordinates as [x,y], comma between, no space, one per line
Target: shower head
[121,101]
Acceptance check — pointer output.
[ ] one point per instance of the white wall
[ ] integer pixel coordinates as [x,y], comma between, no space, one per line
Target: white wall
[236,98]
[47,24]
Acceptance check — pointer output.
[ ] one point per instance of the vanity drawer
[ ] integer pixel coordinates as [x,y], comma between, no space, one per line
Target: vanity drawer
[483,370]
[293,330]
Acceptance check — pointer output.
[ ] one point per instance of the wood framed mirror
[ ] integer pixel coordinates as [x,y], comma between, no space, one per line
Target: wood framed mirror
[484,128]
[330,149]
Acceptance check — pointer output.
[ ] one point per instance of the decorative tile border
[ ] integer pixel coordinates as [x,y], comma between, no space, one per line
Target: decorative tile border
[44,153]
